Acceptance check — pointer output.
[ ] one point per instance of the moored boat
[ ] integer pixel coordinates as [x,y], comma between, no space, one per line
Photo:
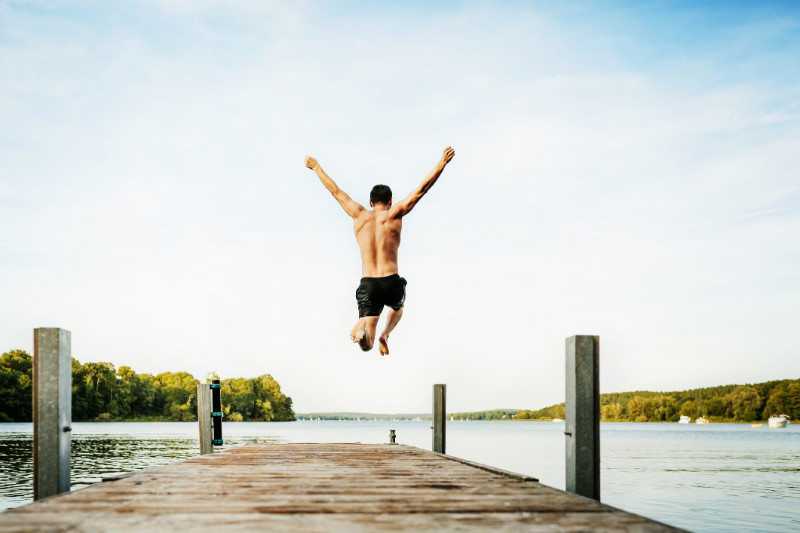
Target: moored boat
[684,419]
[778,421]
[701,420]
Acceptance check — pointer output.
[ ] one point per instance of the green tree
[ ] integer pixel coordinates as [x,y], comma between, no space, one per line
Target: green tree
[714,406]
[257,398]
[793,399]
[80,403]
[99,380]
[148,400]
[100,392]
[238,397]
[15,386]
[784,398]
[179,391]
[744,403]
[665,409]
[637,409]
[18,360]
[724,402]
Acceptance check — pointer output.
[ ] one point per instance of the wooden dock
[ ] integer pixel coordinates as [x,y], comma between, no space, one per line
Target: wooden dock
[322,487]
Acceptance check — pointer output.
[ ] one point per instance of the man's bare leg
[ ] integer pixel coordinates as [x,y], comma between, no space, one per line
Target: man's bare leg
[363,332]
[391,321]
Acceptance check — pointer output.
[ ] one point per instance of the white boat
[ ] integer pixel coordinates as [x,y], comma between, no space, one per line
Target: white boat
[684,419]
[701,420]
[778,421]
[557,420]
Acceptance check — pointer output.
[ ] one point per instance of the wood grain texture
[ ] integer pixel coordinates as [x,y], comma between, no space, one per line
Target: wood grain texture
[322,487]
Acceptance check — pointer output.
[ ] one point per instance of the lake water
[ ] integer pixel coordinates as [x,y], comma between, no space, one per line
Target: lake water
[718,477]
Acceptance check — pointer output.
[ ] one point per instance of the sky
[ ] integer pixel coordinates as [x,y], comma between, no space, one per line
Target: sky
[623,169]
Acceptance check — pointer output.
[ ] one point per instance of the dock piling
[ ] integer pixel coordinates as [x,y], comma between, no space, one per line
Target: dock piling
[439,417]
[204,417]
[582,424]
[52,411]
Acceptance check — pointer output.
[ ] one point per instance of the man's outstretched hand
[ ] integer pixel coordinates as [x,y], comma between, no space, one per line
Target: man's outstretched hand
[311,162]
[449,153]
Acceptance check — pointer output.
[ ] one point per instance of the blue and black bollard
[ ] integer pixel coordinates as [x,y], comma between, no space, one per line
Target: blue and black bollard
[216,413]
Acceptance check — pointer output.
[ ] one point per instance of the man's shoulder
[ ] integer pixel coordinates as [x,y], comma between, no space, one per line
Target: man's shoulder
[366,214]
[363,220]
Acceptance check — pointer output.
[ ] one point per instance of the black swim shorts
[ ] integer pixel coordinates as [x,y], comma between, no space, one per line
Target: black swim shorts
[373,293]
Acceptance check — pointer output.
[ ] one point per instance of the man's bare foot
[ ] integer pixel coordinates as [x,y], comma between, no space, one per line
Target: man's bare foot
[363,332]
[359,331]
[365,343]
[362,339]
[383,344]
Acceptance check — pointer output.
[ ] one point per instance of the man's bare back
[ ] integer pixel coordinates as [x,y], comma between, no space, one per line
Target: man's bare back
[378,235]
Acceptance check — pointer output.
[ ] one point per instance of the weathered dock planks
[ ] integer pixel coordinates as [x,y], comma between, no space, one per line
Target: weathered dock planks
[322,487]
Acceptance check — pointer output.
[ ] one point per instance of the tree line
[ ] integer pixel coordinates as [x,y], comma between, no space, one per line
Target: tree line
[102,393]
[725,403]
[492,414]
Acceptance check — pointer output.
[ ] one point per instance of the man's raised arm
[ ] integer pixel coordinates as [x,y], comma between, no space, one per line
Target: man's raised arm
[402,208]
[350,206]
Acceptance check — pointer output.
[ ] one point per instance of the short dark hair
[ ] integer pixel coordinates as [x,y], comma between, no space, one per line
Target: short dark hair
[380,194]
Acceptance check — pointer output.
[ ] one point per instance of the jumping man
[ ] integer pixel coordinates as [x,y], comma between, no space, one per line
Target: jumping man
[378,235]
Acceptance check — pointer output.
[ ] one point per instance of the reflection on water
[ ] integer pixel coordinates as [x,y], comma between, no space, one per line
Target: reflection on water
[16,469]
[93,456]
[720,477]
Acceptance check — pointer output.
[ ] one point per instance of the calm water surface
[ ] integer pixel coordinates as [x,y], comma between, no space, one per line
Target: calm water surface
[719,477]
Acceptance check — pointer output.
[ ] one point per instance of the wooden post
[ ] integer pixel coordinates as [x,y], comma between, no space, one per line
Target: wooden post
[582,424]
[52,411]
[439,417]
[204,417]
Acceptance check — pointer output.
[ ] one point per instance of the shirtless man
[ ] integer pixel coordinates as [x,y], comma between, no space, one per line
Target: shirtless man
[378,236]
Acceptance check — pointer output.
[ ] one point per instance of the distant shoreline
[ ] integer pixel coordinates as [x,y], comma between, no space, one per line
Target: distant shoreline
[458,417]
[379,419]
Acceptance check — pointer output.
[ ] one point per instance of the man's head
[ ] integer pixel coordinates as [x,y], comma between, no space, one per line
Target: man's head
[380,194]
